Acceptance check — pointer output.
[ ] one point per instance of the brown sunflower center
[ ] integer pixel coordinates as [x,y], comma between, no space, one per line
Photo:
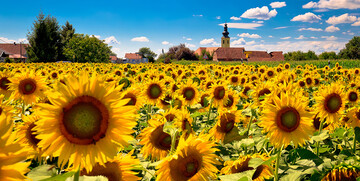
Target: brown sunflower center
[227,122]
[234,79]
[288,119]
[166,100]
[302,83]
[132,98]
[1,110]
[219,92]
[170,117]
[204,102]
[264,91]
[358,114]
[258,171]
[270,73]
[54,75]
[190,168]
[353,96]
[333,103]
[189,93]
[241,167]
[27,86]
[230,101]
[4,83]
[84,120]
[31,134]
[154,91]
[308,81]
[246,89]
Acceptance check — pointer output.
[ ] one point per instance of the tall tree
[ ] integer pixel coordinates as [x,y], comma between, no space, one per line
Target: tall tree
[66,33]
[146,52]
[82,48]
[44,40]
[352,49]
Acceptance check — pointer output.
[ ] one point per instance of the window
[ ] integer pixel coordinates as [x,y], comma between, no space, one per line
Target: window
[228,41]
[223,41]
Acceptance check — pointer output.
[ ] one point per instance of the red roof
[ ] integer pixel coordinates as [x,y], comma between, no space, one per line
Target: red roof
[132,56]
[10,48]
[112,58]
[230,53]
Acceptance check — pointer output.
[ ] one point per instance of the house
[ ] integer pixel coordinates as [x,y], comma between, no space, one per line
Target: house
[134,58]
[227,53]
[14,51]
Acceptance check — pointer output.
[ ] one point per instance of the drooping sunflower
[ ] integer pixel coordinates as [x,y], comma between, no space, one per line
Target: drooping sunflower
[262,172]
[5,77]
[193,160]
[27,86]
[342,172]
[117,169]
[354,117]
[133,94]
[27,135]
[156,142]
[286,120]
[154,91]
[190,92]
[261,90]
[86,122]
[184,121]
[330,102]
[231,101]
[227,120]
[12,154]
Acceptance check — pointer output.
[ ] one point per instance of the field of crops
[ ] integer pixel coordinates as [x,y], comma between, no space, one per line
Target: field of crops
[345,63]
[68,121]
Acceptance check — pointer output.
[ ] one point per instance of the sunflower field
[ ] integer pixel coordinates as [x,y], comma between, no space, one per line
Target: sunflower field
[72,121]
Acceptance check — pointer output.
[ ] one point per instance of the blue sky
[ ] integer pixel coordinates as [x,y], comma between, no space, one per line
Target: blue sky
[290,25]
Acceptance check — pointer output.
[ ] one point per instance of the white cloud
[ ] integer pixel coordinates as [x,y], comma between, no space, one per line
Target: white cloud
[348,33]
[332,29]
[301,37]
[111,40]
[197,15]
[345,18]
[218,17]
[333,4]
[286,38]
[165,43]
[6,40]
[356,23]
[235,18]
[270,36]
[140,39]
[330,38]
[278,4]
[207,41]
[190,45]
[281,27]
[250,26]
[259,13]
[310,29]
[250,43]
[313,37]
[247,35]
[307,17]
[96,36]
[238,42]
[186,38]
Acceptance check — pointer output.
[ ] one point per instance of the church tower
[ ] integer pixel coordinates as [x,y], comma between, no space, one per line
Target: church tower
[225,40]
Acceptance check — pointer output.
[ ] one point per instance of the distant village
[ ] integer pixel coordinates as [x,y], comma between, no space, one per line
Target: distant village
[18,53]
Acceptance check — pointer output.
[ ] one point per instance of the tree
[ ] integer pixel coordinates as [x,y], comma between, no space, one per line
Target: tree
[44,40]
[66,33]
[328,55]
[181,52]
[145,52]
[352,49]
[82,48]
[310,55]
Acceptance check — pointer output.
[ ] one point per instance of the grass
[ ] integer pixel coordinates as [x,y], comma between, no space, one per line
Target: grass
[319,63]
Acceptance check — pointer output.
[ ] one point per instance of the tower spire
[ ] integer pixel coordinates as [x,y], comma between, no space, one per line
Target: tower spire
[225,40]
[226,33]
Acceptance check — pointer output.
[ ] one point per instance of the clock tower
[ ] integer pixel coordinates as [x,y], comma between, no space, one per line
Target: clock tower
[225,39]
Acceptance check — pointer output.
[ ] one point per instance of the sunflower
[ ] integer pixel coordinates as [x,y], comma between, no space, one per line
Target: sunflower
[342,172]
[12,154]
[261,90]
[154,91]
[156,142]
[227,120]
[245,90]
[262,172]
[133,94]
[117,169]
[218,94]
[171,114]
[5,77]
[352,96]
[189,91]
[286,120]
[27,135]
[354,117]
[231,101]
[5,108]
[184,121]
[193,160]
[204,102]
[85,123]
[27,86]
[330,102]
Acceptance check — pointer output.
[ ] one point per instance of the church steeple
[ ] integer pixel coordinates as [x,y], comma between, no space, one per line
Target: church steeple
[225,40]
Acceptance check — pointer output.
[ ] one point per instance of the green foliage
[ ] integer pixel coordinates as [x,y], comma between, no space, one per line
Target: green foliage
[208,54]
[8,60]
[66,33]
[328,56]
[146,52]
[299,56]
[181,52]
[44,40]
[82,48]
[352,49]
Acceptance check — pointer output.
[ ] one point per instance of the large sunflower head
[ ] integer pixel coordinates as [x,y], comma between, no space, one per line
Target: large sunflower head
[154,91]
[86,122]
[194,159]
[156,142]
[262,172]
[27,86]
[189,91]
[117,169]
[330,102]
[286,120]
[227,120]
[218,94]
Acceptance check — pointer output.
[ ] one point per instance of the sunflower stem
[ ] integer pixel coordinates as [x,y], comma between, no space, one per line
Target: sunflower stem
[148,116]
[77,175]
[276,175]
[209,112]
[173,142]
[23,108]
[318,142]
[249,125]
[354,149]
